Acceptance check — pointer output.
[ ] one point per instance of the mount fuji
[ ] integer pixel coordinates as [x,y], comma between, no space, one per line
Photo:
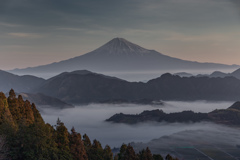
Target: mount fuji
[120,55]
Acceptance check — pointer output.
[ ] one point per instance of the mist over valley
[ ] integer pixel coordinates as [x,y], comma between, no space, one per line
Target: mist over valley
[91,118]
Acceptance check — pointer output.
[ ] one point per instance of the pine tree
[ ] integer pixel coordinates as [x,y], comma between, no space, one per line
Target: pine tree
[37,116]
[107,153]
[21,105]
[62,141]
[77,148]
[157,157]
[149,155]
[28,116]
[122,152]
[168,157]
[13,106]
[7,126]
[96,151]
[130,153]
[5,114]
[86,142]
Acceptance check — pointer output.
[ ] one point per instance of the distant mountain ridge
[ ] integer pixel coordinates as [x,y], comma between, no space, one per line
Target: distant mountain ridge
[19,83]
[26,84]
[216,74]
[78,88]
[120,55]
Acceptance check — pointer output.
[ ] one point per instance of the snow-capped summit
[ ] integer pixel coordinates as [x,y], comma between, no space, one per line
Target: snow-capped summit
[120,46]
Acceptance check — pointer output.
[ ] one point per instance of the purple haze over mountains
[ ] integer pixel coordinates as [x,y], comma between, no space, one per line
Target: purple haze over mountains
[119,56]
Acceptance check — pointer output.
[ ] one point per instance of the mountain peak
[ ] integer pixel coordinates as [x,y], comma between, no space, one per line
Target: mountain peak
[120,46]
[118,39]
[236,105]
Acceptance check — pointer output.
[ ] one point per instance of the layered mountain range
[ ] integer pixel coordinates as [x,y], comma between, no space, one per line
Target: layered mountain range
[88,87]
[120,55]
[215,74]
[235,73]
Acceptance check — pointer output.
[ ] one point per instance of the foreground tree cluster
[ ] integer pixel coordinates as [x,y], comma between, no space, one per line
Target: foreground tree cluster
[25,136]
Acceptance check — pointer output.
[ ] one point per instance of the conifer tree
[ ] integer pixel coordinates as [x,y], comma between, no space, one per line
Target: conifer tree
[37,116]
[5,114]
[96,151]
[7,125]
[21,105]
[148,154]
[28,116]
[122,152]
[107,153]
[168,157]
[77,148]
[62,141]
[127,153]
[86,142]
[13,106]
[130,153]
[157,157]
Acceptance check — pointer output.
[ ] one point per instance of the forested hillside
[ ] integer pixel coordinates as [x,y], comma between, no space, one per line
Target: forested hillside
[25,136]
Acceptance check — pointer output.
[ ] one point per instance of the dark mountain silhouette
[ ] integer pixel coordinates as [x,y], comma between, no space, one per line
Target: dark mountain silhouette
[235,74]
[159,116]
[19,83]
[218,74]
[171,87]
[26,84]
[229,116]
[120,55]
[76,88]
[236,105]
[90,87]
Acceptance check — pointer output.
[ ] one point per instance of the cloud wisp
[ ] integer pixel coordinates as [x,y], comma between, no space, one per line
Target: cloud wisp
[25,35]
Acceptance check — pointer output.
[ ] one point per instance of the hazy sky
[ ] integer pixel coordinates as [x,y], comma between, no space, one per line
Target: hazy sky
[34,32]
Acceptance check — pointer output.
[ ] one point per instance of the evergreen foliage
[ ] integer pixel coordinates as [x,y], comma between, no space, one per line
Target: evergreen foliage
[107,153]
[145,154]
[77,148]
[157,157]
[169,157]
[86,142]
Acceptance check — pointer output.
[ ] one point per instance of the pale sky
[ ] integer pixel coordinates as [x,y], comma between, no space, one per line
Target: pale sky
[35,32]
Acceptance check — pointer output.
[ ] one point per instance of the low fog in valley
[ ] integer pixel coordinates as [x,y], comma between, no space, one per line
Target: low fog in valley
[91,118]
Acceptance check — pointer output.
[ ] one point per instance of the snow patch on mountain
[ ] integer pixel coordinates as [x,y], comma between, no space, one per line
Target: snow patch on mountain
[120,46]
